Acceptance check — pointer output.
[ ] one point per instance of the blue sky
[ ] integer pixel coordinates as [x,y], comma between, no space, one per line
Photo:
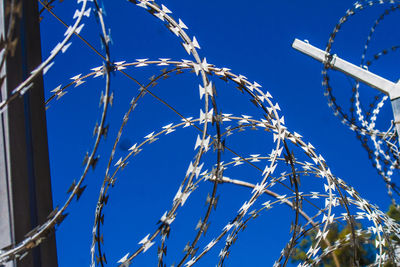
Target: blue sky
[251,38]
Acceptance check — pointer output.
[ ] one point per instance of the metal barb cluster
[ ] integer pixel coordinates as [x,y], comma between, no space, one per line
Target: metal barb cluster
[381,145]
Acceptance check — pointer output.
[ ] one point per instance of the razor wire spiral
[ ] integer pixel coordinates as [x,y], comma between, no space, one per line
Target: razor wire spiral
[289,163]
[381,145]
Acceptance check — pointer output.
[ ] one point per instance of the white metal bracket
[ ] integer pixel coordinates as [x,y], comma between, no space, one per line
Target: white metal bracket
[385,86]
[333,61]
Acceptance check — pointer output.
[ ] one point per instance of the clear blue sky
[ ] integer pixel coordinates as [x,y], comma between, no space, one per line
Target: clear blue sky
[253,38]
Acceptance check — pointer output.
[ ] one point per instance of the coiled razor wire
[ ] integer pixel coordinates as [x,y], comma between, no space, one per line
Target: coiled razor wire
[282,170]
[381,145]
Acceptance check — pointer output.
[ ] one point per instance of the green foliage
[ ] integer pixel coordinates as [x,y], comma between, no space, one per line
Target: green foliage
[394,213]
[344,255]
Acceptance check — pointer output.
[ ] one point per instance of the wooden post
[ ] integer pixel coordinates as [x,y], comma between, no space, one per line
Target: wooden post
[25,187]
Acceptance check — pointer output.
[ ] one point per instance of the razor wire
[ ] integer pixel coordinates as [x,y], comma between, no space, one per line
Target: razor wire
[281,171]
[381,145]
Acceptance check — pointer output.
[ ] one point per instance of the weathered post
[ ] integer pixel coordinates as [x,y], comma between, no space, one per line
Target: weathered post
[25,187]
